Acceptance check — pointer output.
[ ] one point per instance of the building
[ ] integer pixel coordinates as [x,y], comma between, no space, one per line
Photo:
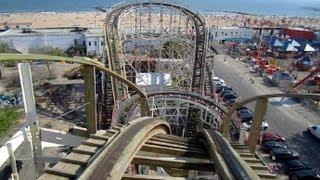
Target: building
[299,34]
[21,25]
[23,41]
[318,35]
[26,39]
[94,41]
[229,33]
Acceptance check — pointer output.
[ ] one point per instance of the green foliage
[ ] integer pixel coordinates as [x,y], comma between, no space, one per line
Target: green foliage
[48,50]
[8,117]
[4,48]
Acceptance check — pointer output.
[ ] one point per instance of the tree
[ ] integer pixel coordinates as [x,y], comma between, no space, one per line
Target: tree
[48,50]
[4,47]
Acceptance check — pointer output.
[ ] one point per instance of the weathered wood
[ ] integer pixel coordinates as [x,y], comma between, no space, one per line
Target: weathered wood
[90,98]
[47,176]
[13,164]
[94,142]
[65,169]
[140,177]
[84,149]
[174,138]
[76,158]
[174,142]
[179,163]
[31,114]
[259,112]
[173,145]
[173,151]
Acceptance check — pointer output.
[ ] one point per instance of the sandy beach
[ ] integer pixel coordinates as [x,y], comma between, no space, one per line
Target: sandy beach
[95,20]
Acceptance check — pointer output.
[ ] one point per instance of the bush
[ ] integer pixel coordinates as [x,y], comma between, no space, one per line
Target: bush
[8,117]
[4,47]
[48,50]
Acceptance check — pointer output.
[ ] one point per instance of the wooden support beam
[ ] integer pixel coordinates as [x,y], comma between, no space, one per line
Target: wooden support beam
[31,114]
[1,71]
[259,112]
[90,99]
[179,163]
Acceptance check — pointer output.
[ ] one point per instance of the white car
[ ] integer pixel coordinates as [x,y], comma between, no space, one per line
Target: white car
[315,130]
[217,80]
[247,125]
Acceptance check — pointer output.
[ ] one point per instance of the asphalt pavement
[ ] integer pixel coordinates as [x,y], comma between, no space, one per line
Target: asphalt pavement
[289,119]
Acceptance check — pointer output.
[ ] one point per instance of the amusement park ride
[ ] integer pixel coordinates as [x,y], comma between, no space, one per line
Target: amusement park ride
[157,131]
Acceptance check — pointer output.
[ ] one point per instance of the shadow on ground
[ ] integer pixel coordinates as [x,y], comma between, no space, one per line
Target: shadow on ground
[305,143]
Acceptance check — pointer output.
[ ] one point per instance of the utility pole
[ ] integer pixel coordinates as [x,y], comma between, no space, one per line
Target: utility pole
[31,114]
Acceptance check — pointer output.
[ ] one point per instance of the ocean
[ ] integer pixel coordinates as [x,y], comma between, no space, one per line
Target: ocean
[304,8]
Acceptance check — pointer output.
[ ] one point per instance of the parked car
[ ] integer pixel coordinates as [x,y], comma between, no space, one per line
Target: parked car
[226,91]
[217,80]
[268,136]
[269,145]
[244,111]
[264,125]
[229,96]
[283,154]
[219,88]
[242,107]
[304,174]
[231,101]
[245,116]
[294,165]
[315,130]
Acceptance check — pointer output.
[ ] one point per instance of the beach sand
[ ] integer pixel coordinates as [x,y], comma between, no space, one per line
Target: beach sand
[96,20]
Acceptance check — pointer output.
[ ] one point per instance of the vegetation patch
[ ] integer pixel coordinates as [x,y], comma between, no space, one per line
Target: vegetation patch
[8,117]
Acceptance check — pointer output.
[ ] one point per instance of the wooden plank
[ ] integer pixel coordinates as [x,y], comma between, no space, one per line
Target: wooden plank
[251,160]
[116,128]
[151,142]
[260,167]
[76,158]
[172,151]
[100,137]
[65,169]
[247,155]
[90,98]
[94,142]
[136,176]
[174,142]
[47,176]
[267,176]
[174,138]
[179,163]
[84,149]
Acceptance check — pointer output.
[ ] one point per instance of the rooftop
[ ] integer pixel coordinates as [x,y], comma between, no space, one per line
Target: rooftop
[94,32]
[52,31]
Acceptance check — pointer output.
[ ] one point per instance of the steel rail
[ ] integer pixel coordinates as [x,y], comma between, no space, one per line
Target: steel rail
[85,61]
